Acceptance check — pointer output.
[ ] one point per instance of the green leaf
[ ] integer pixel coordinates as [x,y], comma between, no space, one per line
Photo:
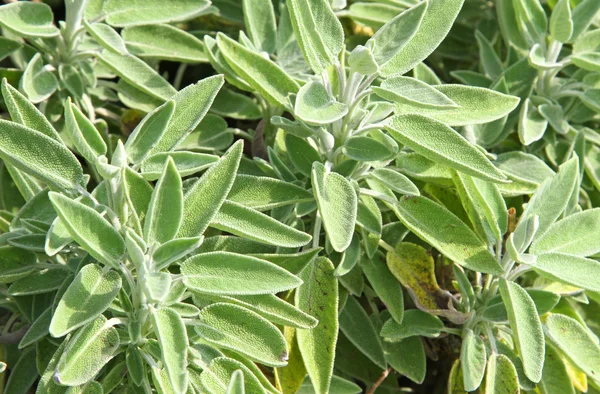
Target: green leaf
[434,27]
[22,374]
[187,163]
[243,331]
[203,200]
[337,203]
[39,282]
[148,132]
[262,193]
[24,112]
[259,18]
[363,148]
[576,235]
[265,76]
[248,223]
[15,263]
[532,124]
[166,207]
[440,143]
[566,268]
[386,286]
[142,12]
[137,73]
[90,294]
[318,31]
[338,386]
[526,327]
[107,37]
[475,105]
[164,42]
[358,328]
[315,106]
[235,105]
[83,133]
[490,61]
[38,329]
[362,61]
[393,37]
[561,21]
[415,323]
[37,82]
[87,351]
[548,202]
[583,16]
[174,250]
[395,181]
[574,341]
[230,274]
[555,378]
[531,20]
[90,230]
[236,384]
[413,92]
[318,297]
[218,374]
[271,308]
[472,360]
[28,20]
[408,358]
[301,153]
[501,376]
[191,105]
[173,341]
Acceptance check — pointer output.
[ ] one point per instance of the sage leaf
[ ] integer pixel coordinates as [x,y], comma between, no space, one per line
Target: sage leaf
[442,229]
[23,373]
[526,326]
[319,298]
[166,207]
[173,341]
[90,230]
[204,199]
[256,226]
[38,329]
[574,341]
[83,133]
[442,144]
[148,132]
[40,282]
[87,351]
[319,32]
[137,73]
[301,153]
[139,12]
[29,20]
[337,204]
[358,328]
[386,286]
[561,21]
[262,193]
[236,384]
[412,91]
[315,106]
[414,323]
[91,293]
[24,112]
[433,28]
[501,377]
[262,74]
[219,372]
[472,360]
[566,268]
[15,263]
[259,17]
[581,228]
[187,163]
[243,331]
[245,275]
[38,82]
[555,378]
[396,181]
[107,37]
[408,358]
[164,42]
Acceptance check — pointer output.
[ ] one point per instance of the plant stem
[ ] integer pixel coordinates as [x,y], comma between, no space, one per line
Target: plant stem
[380,380]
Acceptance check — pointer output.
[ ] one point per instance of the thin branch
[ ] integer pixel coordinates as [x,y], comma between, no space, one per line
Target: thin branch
[380,380]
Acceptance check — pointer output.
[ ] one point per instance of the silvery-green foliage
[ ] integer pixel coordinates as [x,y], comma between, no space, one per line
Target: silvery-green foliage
[323,213]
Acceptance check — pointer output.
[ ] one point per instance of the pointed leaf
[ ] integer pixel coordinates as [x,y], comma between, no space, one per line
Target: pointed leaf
[414,92]
[262,193]
[148,132]
[203,200]
[319,298]
[259,17]
[144,12]
[243,331]
[315,106]
[230,273]
[526,326]
[472,360]
[566,268]
[91,293]
[415,323]
[83,133]
[90,230]
[107,37]
[173,341]
[337,203]
[386,286]
[501,376]
[217,376]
